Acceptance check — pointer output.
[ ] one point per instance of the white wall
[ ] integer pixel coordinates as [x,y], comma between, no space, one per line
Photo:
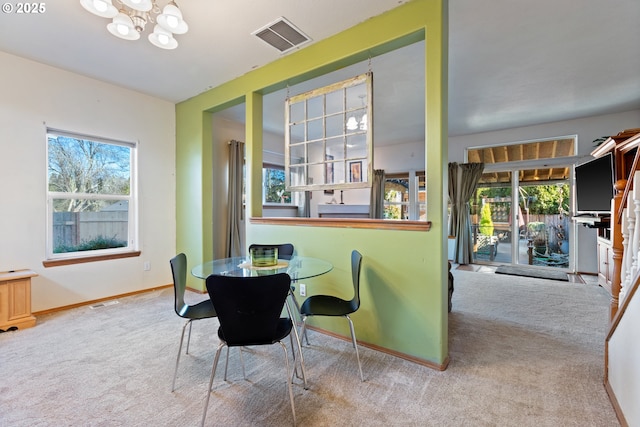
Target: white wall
[35,96]
[587,129]
[624,362]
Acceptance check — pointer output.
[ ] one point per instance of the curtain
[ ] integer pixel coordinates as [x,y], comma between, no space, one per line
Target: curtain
[235,212]
[463,182]
[376,204]
[306,209]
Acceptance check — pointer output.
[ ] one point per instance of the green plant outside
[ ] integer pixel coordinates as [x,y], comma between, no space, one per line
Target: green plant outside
[546,199]
[98,242]
[486,223]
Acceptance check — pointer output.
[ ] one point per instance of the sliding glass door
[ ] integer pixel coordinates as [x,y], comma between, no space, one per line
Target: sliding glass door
[491,222]
[521,216]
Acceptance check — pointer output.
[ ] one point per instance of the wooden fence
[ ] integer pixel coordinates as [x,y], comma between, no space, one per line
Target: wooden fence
[73,228]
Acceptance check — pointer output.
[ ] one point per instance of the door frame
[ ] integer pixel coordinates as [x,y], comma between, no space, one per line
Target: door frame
[513,168]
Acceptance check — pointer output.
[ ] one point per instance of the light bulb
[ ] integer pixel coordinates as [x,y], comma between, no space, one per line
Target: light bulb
[122,29]
[163,39]
[363,123]
[102,8]
[172,21]
[100,5]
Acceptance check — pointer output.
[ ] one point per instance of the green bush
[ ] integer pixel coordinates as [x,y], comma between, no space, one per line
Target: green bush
[99,242]
[486,223]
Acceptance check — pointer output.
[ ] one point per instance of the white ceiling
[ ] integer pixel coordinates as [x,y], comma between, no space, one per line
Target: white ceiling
[511,62]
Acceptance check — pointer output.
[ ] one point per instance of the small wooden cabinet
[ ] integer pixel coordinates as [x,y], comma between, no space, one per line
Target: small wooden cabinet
[15,300]
[605,263]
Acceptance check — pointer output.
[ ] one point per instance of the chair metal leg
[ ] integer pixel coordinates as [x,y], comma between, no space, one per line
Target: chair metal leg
[175,372]
[355,345]
[303,331]
[289,382]
[298,314]
[213,371]
[295,366]
[226,365]
[189,337]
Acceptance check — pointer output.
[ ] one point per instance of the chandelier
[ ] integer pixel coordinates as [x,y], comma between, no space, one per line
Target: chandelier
[130,20]
[359,124]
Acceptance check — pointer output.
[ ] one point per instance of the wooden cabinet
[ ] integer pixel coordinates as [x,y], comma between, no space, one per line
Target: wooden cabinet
[15,300]
[605,263]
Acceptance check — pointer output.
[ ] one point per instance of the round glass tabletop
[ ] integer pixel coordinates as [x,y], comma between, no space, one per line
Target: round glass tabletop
[298,267]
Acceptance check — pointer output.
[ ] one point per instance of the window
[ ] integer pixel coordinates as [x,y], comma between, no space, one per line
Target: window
[328,139]
[273,180]
[404,196]
[91,208]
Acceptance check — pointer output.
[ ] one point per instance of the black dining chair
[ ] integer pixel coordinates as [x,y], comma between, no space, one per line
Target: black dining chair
[201,310]
[328,305]
[249,310]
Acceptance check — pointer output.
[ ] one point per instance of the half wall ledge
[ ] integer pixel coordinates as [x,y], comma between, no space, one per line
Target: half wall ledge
[374,224]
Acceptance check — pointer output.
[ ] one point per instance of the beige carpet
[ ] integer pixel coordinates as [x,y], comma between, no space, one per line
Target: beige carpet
[525,352]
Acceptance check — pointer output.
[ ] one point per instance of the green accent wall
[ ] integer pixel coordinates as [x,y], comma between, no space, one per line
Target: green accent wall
[404,273]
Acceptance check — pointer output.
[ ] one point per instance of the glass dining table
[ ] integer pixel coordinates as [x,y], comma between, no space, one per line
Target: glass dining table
[298,267]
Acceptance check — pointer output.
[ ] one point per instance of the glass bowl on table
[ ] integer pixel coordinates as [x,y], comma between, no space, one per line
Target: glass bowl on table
[264,257]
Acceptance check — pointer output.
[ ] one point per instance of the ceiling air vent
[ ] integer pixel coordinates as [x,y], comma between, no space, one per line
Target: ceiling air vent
[282,35]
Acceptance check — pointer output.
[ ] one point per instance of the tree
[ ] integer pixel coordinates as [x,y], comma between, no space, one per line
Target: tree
[541,199]
[275,186]
[486,223]
[86,167]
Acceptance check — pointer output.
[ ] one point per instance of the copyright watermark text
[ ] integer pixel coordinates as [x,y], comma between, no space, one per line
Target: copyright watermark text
[24,8]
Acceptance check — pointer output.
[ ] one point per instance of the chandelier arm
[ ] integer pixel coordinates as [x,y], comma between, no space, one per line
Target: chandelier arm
[155,8]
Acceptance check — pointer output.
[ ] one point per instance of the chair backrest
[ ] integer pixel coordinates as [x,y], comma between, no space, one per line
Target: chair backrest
[356,265]
[285,250]
[249,308]
[179,270]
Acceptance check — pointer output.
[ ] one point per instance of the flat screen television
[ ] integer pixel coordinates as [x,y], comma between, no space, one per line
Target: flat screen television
[594,185]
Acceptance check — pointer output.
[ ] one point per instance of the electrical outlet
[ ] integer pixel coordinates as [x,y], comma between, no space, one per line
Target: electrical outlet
[147,266]
[303,290]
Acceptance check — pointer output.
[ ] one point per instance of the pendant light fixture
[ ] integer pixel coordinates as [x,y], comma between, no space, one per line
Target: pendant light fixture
[129,21]
[353,123]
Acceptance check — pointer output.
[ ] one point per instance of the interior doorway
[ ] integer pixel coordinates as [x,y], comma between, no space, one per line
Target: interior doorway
[520,219]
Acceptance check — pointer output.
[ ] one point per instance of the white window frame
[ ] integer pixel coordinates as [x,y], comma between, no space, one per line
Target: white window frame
[298,176]
[131,198]
[413,204]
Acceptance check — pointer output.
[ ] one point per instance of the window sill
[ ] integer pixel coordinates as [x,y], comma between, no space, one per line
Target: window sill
[94,258]
[374,224]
